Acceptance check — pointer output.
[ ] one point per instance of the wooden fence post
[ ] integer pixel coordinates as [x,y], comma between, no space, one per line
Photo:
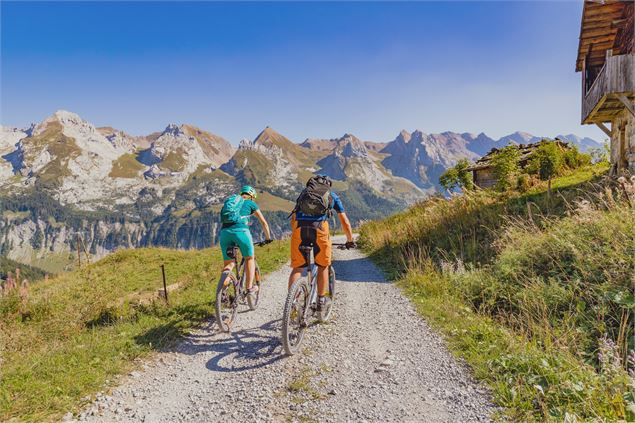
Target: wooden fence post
[165,287]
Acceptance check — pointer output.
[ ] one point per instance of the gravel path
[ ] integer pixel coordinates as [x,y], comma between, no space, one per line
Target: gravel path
[377,360]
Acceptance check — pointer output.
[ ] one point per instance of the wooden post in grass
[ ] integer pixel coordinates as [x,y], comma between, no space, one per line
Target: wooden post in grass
[165,287]
[79,254]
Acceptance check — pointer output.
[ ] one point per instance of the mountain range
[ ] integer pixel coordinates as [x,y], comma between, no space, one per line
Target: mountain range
[65,176]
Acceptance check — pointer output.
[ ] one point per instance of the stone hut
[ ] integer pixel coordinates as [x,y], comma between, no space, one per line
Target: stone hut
[483,170]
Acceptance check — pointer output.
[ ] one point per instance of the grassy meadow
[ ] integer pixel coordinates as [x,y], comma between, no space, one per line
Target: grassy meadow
[71,336]
[535,291]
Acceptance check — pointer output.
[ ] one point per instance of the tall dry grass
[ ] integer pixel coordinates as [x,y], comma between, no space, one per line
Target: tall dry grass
[547,278]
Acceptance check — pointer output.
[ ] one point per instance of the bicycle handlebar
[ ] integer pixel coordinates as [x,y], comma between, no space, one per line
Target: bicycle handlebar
[262,243]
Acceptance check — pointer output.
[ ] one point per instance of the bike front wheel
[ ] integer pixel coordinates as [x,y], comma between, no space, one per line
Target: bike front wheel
[226,303]
[293,319]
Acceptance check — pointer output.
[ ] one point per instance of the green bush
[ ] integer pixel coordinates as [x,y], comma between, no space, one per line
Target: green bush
[457,176]
[547,161]
[506,167]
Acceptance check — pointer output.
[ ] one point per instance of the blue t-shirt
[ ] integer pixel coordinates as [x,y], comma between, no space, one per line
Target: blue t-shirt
[248,208]
[338,206]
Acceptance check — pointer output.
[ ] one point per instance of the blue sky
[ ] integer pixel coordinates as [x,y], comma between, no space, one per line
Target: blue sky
[306,69]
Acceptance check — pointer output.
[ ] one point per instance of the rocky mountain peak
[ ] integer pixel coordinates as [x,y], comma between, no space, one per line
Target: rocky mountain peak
[66,116]
[29,131]
[173,129]
[244,144]
[417,137]
[404,136]
[71,122]
[351,146]
[269,136]
[518,137]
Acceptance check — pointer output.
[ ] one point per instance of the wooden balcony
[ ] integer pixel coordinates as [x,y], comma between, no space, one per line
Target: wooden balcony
[601,102]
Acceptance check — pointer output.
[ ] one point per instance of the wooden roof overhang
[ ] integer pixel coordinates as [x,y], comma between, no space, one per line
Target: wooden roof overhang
[604,22]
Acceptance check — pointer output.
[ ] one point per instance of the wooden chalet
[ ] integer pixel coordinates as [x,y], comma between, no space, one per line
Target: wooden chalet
[607,63]
[483,169]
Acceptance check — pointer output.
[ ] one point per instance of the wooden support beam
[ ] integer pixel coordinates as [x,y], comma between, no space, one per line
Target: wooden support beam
[604,129]
[627,103]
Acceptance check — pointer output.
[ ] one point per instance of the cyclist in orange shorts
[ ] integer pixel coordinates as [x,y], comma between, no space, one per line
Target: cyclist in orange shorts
[310,226]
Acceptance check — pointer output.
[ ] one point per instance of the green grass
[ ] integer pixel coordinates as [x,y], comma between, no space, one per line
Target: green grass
[31,273]
[270,202]
[54,262]
[174,161]
[539,303]
[126,166]
[76,333]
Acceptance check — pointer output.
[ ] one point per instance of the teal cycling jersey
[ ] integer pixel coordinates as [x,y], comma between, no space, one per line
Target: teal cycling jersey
[248,208]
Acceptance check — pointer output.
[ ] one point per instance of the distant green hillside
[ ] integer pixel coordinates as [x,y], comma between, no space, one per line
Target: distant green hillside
[26,272]
[72,335]
[534,291]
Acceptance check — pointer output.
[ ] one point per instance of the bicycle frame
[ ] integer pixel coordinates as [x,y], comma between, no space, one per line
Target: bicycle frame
[312,278]
[237,266]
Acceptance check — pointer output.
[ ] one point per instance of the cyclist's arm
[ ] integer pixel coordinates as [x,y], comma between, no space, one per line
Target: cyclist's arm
[346,225]
[263,222]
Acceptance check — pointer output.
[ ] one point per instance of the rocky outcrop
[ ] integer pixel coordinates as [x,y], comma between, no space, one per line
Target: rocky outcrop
[422,158]
[350,159]
[270,160]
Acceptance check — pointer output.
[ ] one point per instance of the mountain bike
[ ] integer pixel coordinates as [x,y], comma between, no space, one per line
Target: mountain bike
[231,291]
[301,304]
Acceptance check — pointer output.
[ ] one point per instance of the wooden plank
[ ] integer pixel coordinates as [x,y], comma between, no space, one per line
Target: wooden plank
[600,19]
[605,21]
[601,38]
[604,129]
[627,103]
[597,22]
[598,39]
[603,9]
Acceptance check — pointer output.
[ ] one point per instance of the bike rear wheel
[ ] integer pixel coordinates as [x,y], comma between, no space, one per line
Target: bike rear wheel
[253,300]
[226,303]
[293,318]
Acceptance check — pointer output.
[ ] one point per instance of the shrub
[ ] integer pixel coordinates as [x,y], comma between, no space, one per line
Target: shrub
[457,176]
[547,161]
[506,167]
[573,159]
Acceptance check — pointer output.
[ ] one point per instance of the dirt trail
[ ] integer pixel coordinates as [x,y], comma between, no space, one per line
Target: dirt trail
[376,361]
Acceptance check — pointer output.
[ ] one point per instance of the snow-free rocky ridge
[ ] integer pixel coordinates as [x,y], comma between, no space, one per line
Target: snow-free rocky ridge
[376,361]
[65,175]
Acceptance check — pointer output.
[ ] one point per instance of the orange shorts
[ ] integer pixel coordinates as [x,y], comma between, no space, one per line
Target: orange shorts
[318,235]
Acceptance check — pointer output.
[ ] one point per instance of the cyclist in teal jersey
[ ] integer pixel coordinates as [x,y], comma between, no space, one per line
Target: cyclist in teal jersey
[238,234]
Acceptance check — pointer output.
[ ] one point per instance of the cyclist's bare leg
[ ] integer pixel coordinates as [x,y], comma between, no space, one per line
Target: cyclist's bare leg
[295,275]
[228,265]
[322,280]
[250,271]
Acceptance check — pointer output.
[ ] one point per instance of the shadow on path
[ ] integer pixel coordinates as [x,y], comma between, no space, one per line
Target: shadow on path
[238,351]
[357,270]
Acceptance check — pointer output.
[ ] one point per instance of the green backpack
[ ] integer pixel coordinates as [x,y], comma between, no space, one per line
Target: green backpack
[230,213]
